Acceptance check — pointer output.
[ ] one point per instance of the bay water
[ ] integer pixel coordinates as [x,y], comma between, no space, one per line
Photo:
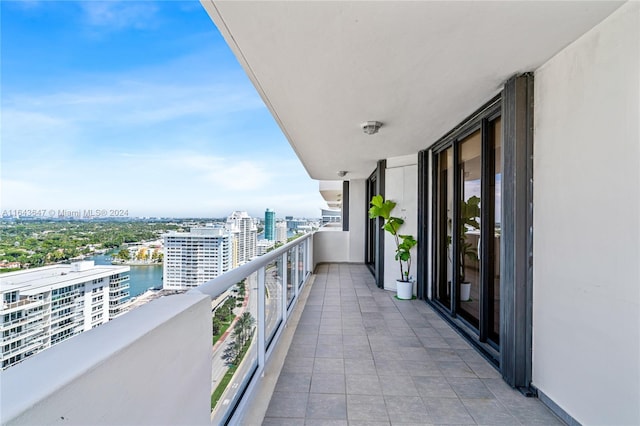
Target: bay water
[141,278]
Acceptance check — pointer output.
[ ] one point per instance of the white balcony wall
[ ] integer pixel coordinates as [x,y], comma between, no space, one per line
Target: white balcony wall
[151,366]
[401,186]
[586,314]
[330,244]
[358,211]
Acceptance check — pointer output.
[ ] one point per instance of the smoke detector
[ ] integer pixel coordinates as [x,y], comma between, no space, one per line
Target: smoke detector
[371,127]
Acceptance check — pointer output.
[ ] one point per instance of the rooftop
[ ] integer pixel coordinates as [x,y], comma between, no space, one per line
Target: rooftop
[47,276]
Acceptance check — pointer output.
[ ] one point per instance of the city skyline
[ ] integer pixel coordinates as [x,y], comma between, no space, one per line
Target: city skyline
[137,106]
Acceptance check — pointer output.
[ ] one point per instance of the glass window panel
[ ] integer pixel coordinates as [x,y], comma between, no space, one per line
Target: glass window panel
[495,279]
[470,169]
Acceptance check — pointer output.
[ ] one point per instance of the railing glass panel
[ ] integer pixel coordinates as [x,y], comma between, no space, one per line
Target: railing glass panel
[291,291]
[235,348]
[300,263]
[272,298]
[255,294]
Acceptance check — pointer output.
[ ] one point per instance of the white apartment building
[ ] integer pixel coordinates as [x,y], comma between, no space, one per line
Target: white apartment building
[263,246]
[245,235]
[45,306]
[281,232]
[195,257]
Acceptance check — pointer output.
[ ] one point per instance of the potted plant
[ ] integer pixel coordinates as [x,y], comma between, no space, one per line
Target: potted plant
[469,214]
[381,208]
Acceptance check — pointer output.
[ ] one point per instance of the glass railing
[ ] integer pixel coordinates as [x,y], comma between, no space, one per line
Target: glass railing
[272,300]
[258,298]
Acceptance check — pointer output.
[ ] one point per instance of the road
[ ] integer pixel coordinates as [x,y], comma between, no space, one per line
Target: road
[273,314]
[218,365]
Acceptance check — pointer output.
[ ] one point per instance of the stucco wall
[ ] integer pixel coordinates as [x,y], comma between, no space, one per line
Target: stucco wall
[330,244]
[586,314]
[401,186]
[151,366]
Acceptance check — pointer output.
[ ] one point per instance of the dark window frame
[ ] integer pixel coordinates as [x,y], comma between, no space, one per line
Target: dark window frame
[478,122]
[374,235]
[515,106]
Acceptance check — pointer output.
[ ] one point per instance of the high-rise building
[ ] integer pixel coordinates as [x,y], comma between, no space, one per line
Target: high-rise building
[245,234]
[45,306]
[269,225]
[195,257]
[281,232]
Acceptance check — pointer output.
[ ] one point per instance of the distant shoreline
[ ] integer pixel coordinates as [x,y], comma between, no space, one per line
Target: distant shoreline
[136,264]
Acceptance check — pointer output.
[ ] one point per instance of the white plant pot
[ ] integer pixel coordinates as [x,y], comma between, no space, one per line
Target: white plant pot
[404,289]
[465,292]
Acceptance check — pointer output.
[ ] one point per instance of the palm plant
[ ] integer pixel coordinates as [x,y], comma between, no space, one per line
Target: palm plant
[469,214]
[381,208]
[244,326]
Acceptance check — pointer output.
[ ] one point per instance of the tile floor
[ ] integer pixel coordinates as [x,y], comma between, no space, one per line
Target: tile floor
[361,357]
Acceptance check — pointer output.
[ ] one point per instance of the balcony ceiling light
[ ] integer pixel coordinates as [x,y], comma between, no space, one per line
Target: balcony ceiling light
[342,173]
[371,127]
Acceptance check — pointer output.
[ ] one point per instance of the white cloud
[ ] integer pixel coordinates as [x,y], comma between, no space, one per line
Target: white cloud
[131,102]
[117,15]
[225,175]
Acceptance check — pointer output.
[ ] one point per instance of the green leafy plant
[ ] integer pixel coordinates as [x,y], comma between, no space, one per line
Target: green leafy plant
[381,208]
[469,214]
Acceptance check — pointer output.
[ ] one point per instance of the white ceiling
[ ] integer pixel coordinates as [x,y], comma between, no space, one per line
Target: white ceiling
[419,67]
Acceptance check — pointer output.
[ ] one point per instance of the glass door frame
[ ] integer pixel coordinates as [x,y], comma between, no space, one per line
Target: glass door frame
[514,357]
[482,121]
[374,235]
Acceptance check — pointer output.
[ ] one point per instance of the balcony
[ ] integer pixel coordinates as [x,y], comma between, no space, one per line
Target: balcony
[331,347]
[118,295]
[121,284]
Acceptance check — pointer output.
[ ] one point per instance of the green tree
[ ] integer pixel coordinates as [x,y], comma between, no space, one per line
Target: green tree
[217,325]
[245,323]
[124,255]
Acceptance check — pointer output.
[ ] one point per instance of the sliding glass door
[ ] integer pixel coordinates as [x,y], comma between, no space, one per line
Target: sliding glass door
[466,273]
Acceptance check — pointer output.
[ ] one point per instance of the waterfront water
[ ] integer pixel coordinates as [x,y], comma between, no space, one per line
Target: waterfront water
[141,278]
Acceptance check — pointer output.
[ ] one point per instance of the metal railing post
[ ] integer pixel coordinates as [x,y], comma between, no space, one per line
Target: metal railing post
[296,282]
[284,287]
[261,320]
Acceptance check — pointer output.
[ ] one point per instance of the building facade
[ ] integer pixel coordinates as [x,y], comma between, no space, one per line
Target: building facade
[45,306]
[245,235]
[294,225]
[269,225]
[281,232]
[195,257]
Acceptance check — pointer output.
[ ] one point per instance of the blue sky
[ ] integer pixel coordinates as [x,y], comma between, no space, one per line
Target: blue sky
[138,106]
